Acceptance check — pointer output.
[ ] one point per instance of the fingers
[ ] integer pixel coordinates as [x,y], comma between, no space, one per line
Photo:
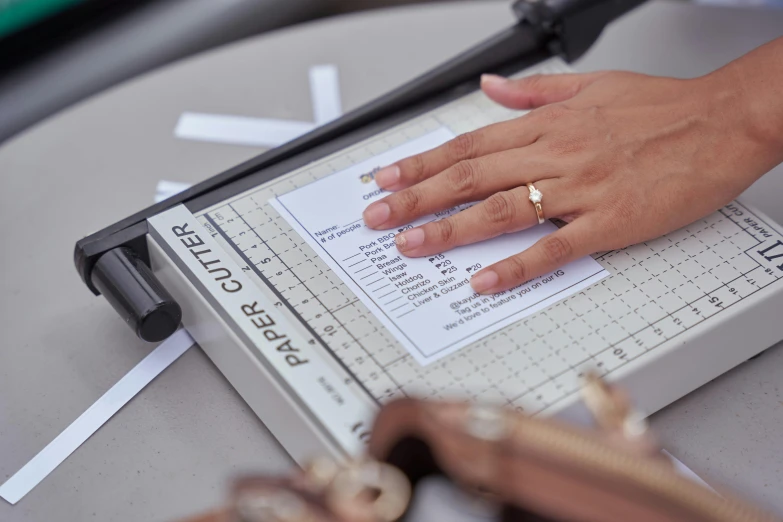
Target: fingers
[535,91]
[464,182]
[546,255]
[487,140]
[501,213]
[522,93]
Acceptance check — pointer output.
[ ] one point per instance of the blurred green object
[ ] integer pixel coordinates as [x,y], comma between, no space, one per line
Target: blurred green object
[18,14]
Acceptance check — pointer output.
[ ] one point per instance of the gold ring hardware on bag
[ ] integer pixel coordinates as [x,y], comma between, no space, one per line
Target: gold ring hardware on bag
[371,486]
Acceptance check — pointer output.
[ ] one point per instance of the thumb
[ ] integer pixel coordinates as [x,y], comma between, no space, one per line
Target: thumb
[534,91]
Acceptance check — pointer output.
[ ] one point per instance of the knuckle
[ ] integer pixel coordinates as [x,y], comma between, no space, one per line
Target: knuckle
[533,82]
[613,75]
[595,111]
[556,249]
[464,177]
[593,172]
[500,208]
[462,147]
[563,145]
[415,166]
[552,113]
[446,231]
[409,200]
[621,212]
[517,268]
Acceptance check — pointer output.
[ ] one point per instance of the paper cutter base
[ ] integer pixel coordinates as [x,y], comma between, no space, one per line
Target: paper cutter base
[675,313]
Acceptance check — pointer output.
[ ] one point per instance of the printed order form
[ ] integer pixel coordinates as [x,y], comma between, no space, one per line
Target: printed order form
[656,291]
[427,302]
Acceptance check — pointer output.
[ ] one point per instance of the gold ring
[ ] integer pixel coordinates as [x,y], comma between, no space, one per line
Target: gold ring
[535,198]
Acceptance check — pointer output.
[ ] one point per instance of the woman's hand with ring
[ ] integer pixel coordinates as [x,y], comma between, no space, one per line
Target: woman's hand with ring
[621,157]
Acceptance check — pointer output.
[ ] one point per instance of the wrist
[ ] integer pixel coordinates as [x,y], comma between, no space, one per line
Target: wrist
[752,122]
[749,90]
[763,112]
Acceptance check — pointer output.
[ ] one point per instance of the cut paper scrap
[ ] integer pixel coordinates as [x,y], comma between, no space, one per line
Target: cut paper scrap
[239,130]
[325,93]
[267,132]
[165,189]
[32,473]
[685,471]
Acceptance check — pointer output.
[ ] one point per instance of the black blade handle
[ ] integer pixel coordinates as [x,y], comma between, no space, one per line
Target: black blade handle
[137,295]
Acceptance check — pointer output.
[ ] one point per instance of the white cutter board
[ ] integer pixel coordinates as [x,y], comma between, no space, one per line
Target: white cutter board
[674,313]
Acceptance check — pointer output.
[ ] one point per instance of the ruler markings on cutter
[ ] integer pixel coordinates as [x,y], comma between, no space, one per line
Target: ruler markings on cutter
[287,302]
[707,295]
[278,293]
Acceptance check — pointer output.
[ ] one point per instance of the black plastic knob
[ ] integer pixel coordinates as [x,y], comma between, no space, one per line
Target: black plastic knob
[137,295]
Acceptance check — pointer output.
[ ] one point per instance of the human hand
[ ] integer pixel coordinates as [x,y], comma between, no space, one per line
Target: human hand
[621,157]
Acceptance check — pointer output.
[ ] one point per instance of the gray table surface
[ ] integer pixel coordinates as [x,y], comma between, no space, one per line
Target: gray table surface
[170,451]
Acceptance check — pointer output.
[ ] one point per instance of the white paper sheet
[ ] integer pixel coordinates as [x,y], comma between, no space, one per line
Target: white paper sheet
[32,473]
[427,303]
[239,130]
[325,93]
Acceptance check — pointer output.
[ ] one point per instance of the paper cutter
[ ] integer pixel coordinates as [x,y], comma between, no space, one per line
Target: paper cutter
[314,364]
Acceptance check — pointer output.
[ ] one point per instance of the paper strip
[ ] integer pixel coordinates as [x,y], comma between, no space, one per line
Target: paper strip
[166,189]
[325,93]
[94,417]
[239,130]
[685,471]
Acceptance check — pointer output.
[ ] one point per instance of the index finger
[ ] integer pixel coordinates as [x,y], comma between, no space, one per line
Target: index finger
[487,140]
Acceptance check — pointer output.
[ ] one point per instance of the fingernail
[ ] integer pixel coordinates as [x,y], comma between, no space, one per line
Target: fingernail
[410,239]
[484,281]
[376,214]
[492,79]
[388,176]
